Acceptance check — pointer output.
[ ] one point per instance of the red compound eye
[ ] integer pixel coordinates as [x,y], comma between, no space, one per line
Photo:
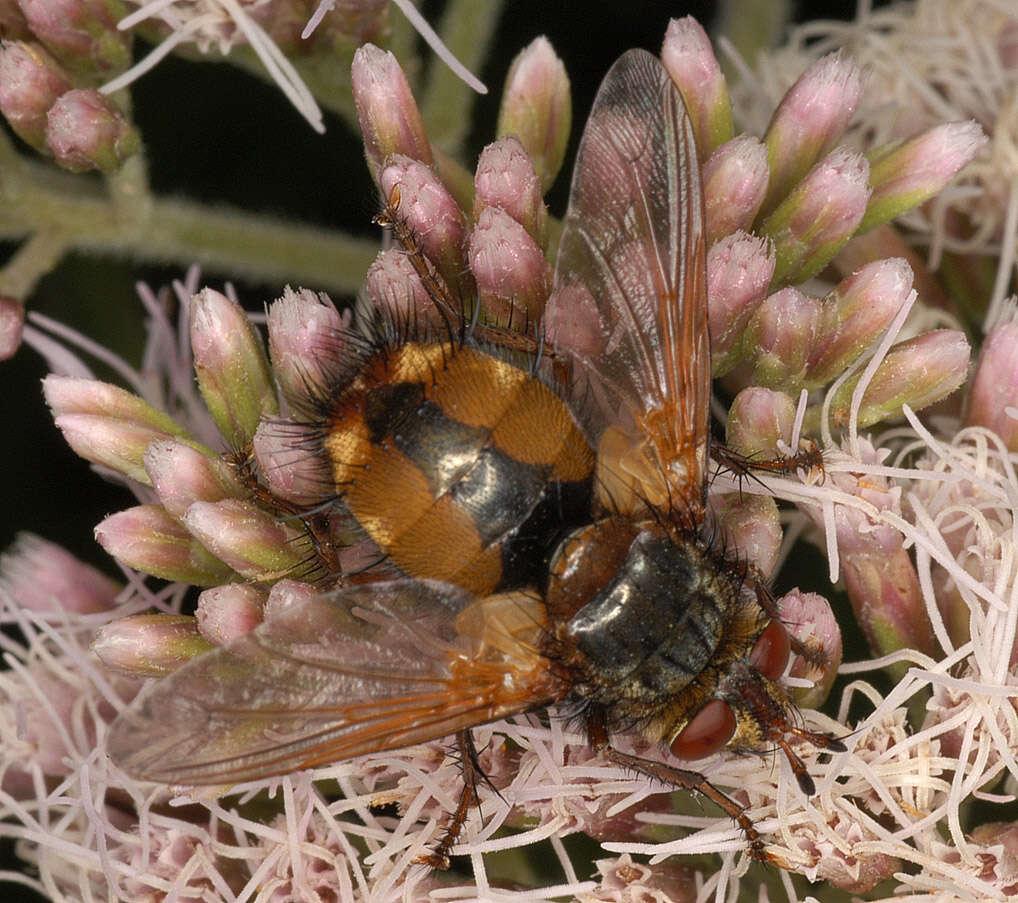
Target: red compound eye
[771,652]
[707,732]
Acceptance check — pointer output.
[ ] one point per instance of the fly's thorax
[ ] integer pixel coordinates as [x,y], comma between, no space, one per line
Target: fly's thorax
[459,465]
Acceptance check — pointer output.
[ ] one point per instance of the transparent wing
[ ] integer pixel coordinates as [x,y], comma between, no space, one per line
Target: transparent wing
[374,667]
[630,303]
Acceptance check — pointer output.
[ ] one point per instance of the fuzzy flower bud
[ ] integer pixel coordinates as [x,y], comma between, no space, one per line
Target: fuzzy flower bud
[386,109]
[150,540]
[820,214]
[513,276]
[758,419]
[30,82]
[182,475]
[994,388]
[43,576]
[854,315]
[305,342]
[434,218]
[231,366]
[782,331]
[287,465]
[916,372]
[810,619]
[149,645]
[85,130]
[506,179]
[396,290]
[254,543]
[537,108]
[225,613]
[688,56]
[12,324]
[82,34]
[750,523]
[808,122]
[739,269]
[905,174]
[106,424]
[734,184]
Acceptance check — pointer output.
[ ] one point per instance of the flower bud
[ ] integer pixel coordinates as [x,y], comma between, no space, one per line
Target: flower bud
[905,174]
[255,544]
[41,576]
[916,372]
[292,464]
[149,540]
[396,290]
[85,130]
[739,269]
[506,179]
[537,108]
[820,214]
[734,184]
[808,122]
[689,58]
[782,332]
[750,523]
[182,475]
[758,420]
[810,619]
[30,82]
[994,387]
[151,645]
[286,595]
[854,315]
[435,219]
[12,324]
[231,366]
[306,344]
[82,34]
[513,277]
[386,109]
[227,612]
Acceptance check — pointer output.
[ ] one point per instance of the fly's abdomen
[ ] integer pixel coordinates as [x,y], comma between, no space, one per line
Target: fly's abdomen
[450,459]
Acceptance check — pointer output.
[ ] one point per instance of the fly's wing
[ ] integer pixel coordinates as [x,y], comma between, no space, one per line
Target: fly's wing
[630,300]
[373,667]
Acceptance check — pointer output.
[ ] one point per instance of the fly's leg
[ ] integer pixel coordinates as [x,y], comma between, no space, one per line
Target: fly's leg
[472,773]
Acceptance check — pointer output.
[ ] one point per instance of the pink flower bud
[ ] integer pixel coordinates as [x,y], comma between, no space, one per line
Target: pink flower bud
[12,323]
[41,576]
[734,183]
[436,221]
[149,540]
[230,611]
[855,314]
[513,276]
[750,523]
[916,372]
[231,366]
[994,387]
[820,214]
[537,109]
[397,291]
[255,544]
[905,174]
[758,419]
[739,269]
[287,594]
[390,121]
[689,58]
[506,179]
[82,34]
[782,332]
[85,130]
[149,645]
[808,122]
[291,462]
[30,82]
[182,475]
[810,619]
[306,344]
